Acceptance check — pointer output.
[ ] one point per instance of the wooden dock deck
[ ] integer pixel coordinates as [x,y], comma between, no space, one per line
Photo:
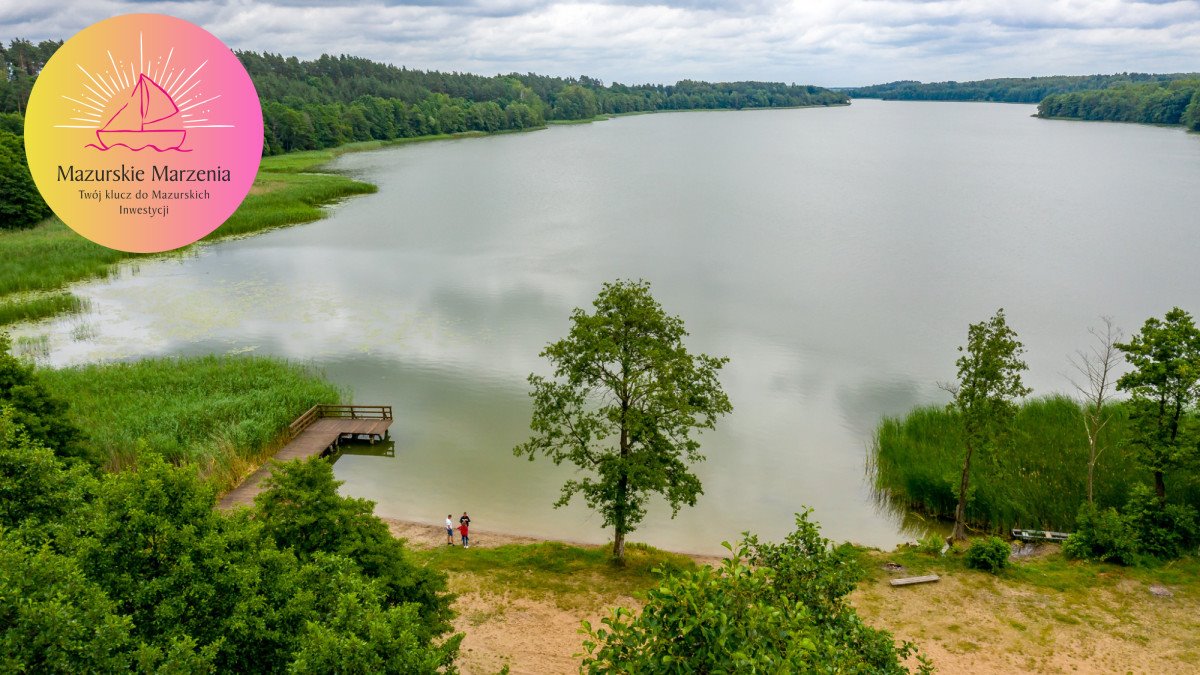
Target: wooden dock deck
[317,432]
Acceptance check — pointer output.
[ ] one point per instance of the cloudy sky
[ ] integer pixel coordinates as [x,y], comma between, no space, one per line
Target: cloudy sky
[825,42]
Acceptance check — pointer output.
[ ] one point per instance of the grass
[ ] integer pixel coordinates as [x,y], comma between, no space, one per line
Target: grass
[1038,480]
[224,414]
[1043,613]
[569,575]
[38,306]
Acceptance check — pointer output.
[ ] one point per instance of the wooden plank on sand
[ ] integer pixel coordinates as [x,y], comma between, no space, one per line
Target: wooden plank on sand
[908,581]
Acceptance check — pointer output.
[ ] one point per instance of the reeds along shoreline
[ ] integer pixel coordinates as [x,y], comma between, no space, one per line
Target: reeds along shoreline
[1037,478]
[223,414]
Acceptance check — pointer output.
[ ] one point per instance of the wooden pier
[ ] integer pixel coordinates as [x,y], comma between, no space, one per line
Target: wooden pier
[317,432]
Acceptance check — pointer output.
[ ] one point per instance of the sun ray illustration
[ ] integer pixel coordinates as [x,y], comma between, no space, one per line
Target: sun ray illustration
[202,102]
[189,77]
[140,108]
[83,104]
[163,70]
[184,93]
[95,81]
[174,82]
[95,93]
[120,75]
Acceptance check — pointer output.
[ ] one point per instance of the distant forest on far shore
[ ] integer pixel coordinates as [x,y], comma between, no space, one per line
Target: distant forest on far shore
[331,100]
[1006,89]
[1146,98]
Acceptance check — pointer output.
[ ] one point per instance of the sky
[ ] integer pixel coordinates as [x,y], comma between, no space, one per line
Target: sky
[822,42]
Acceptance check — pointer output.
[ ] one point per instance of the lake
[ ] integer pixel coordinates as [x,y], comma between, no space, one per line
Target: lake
[835,255]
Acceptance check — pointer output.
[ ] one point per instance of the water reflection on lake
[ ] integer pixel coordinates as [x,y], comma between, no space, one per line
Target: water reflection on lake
[835,255]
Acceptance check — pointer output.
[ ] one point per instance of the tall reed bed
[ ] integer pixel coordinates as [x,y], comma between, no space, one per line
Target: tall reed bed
[38,306]
[1036,479]
[223,414]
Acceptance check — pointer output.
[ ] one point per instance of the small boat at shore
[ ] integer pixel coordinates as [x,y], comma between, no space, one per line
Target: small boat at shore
[150,119]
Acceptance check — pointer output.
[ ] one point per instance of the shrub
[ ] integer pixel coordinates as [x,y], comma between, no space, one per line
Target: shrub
[931,544]
[990,554]
[42,415]
[1162,530]
[1103,535]
[21,205]
[768,608]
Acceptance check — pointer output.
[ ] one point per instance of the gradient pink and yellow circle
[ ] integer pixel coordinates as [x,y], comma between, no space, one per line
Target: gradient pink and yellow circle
[144,132]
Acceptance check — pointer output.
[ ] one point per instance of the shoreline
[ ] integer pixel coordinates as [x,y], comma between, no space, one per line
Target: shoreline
[427,536]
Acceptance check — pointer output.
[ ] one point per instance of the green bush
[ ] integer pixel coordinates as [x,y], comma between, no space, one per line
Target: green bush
[931,544]
[769,608]
[990,554]
[21,205]
[1102,535]
[1162,530]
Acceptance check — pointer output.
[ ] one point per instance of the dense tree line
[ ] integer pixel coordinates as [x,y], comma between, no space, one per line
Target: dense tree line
[1174,102]
[1008,89]
[333,100]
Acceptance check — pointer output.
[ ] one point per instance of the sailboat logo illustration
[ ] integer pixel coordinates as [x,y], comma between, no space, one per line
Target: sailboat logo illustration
[149,119]
[143,103]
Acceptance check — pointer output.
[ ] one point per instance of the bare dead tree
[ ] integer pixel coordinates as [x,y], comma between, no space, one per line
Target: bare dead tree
[1096,368]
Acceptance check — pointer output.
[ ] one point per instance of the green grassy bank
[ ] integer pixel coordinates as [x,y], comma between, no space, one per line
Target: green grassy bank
[224,414]
[1037,480]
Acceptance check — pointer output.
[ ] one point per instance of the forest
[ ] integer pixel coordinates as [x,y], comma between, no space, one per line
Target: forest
[1007,89]
[1174,102]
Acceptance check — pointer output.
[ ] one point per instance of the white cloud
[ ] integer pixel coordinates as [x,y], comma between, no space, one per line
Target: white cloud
[829,42]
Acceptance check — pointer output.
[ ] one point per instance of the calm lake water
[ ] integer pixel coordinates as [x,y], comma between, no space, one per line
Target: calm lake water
[835,255]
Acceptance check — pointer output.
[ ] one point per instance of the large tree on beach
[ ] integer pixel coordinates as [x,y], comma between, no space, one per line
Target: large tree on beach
[623,404]
[989,379]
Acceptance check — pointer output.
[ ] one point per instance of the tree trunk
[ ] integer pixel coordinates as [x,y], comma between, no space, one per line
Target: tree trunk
[619,547]
[1160,486]
[960,512]
[1091,474]
[620,526]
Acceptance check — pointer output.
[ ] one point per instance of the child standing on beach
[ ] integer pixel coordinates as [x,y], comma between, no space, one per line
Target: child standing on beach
[449,531]
[462,529]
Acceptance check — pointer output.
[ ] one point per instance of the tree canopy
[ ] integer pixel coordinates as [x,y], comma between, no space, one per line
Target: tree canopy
[138,571]
[1165,356]
[989,379]
[623,404]
[768,608]
[1160,102]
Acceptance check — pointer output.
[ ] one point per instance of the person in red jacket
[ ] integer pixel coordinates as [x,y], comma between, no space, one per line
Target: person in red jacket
[462,530]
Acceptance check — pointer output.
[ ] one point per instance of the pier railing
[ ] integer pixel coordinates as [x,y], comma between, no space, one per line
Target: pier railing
[349,412]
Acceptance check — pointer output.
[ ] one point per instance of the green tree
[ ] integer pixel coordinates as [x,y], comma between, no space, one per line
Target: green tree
[21,205]
[43,417]
[1165,357]
[35,490]
[576,103]
[53,619]
[989,379]
[301,509]
[769,608]
[624,401]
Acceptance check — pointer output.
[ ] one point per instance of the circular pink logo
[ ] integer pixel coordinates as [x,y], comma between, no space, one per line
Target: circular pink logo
[144,133]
